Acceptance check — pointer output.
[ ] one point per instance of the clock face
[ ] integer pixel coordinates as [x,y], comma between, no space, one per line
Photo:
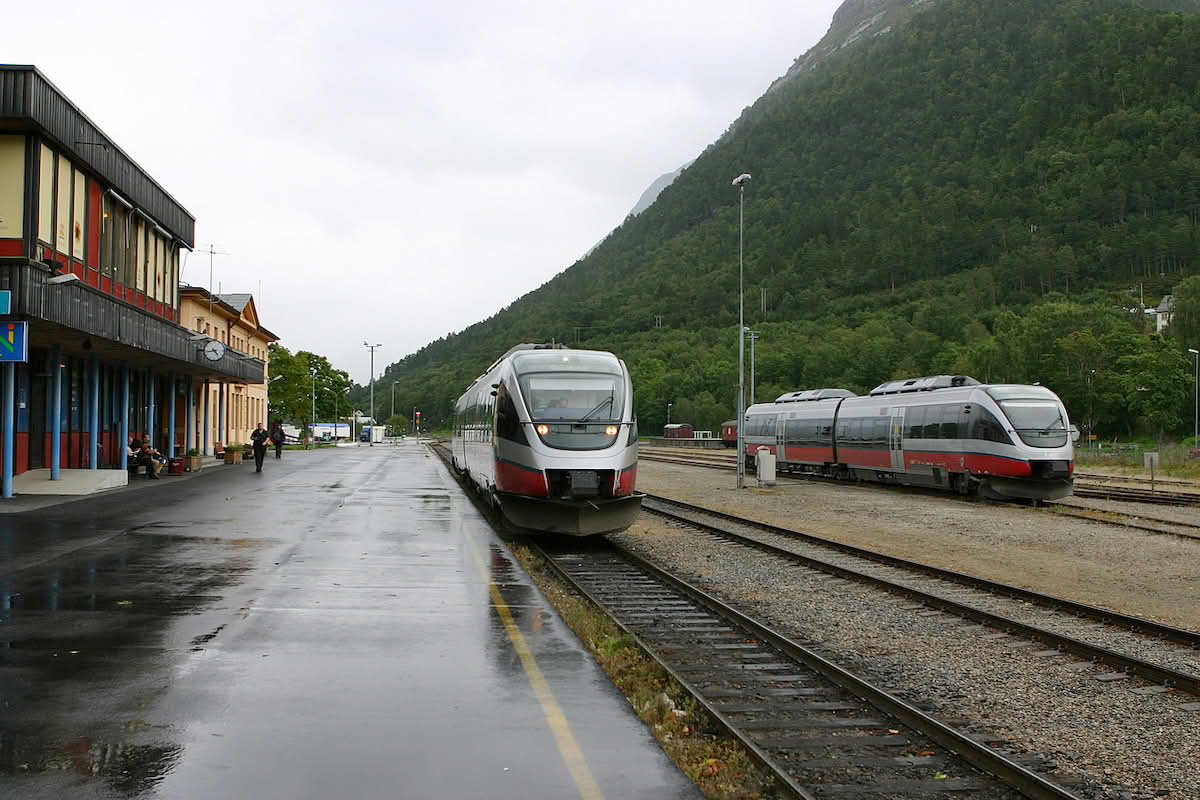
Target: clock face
[214,350]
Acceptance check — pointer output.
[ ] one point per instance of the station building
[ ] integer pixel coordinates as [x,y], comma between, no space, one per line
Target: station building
[90,248]
[233,320]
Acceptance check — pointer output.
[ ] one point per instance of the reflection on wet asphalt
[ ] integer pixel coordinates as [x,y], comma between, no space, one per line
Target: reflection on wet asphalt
[324,628]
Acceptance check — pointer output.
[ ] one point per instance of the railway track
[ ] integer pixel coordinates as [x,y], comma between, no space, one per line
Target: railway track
[1101,491]
[1053,622]
[821,730]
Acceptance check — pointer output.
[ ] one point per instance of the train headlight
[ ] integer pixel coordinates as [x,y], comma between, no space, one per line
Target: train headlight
[611,430]
[543,430]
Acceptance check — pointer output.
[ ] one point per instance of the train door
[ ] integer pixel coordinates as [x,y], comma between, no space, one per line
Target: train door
[896,439]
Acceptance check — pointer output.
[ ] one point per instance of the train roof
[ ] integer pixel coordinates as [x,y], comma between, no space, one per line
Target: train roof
[927,384]
[809,395]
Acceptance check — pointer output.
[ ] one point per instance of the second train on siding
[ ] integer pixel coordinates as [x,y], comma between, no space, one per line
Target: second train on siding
[548,435]
[947,431]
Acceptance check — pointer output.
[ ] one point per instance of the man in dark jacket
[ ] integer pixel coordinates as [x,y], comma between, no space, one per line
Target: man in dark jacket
[277,438]
[259,440]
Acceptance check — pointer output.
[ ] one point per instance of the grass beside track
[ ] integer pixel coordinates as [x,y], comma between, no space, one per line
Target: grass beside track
[719,766]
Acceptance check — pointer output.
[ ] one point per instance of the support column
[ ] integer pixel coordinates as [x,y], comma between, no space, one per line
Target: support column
[150,429]
[221,430]
[190,434]
[94,413]
[207,421]
[56,410]
[171,400]
[8,425]
[123,445]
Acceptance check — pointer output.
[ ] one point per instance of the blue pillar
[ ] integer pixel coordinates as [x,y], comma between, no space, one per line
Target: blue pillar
[10,381]
[94,414]
[221,412]
[190,434]
[171,417]
[207,425]
[56,410]
[123,445]
[150,429]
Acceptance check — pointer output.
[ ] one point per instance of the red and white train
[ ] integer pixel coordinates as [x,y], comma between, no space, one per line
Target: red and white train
[948,431]
[549,436]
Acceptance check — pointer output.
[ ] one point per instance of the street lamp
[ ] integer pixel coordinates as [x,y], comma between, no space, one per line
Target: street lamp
[394,401]
[1195,399]
[740,182]
[312,432]
[372,347]
[753,338]
[669,412]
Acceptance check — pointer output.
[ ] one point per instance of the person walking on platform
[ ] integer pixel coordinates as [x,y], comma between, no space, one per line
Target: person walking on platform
[259,440]
[277,438]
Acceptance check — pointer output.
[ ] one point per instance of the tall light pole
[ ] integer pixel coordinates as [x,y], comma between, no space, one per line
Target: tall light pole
[740,182]
[1195,398]
[394,399]
[312,432]
[753,338]
[372,347]
[669,412]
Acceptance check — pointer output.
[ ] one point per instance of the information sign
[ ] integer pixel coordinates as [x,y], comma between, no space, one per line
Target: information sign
[5,301]
[14,342]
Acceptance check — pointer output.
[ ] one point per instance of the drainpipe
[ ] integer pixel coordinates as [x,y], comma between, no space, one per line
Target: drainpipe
[56,409]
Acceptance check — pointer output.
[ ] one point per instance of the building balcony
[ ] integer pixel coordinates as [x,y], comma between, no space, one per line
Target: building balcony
[82,319]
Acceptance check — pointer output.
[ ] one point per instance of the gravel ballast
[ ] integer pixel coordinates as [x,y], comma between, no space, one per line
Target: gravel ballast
[1131,744]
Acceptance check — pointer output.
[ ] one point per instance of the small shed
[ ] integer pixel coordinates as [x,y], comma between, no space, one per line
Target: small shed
[678,430]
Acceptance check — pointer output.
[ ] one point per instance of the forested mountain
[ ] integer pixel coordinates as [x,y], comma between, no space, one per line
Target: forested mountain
[979,186]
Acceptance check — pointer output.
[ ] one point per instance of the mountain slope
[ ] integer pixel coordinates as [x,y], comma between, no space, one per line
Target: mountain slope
[977,157]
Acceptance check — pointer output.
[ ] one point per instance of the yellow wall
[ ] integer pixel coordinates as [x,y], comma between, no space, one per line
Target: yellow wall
[12,186]
[245,405]
[46,196]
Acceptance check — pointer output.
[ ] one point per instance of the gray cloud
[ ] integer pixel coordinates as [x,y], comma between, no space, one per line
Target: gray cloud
[395,171]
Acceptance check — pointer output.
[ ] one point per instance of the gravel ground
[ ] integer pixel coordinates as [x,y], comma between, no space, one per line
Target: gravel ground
[1167,654]
[1138,573]
[1135,745]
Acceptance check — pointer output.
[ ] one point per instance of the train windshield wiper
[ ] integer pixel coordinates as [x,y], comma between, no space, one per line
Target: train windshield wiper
[608,401]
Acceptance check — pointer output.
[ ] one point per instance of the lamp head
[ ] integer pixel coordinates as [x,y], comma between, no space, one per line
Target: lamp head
[742,179]
[1194,350]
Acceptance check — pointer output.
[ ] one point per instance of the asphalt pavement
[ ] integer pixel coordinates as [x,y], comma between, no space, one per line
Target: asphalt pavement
[344,624]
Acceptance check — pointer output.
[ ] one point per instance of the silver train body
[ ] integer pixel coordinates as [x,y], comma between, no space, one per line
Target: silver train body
[948,432]
[548,435]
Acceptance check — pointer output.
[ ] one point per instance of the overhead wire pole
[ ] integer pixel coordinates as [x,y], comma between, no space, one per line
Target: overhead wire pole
[211,252]
[372,347]
[740,182]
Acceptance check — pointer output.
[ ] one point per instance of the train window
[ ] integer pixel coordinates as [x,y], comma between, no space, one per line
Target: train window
[879,434]
[954,422]
[825,433]
[914,422]
[633,431]
[933,420]
[793,431]
[986,427]
[851,431]
[508,424]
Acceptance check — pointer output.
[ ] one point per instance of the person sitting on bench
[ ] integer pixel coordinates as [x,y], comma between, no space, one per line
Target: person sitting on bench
[142,457]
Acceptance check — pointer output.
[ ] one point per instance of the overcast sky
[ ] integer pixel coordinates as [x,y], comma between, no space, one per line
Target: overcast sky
[395,171]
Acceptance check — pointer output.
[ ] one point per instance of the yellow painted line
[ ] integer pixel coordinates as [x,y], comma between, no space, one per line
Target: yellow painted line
[577,765]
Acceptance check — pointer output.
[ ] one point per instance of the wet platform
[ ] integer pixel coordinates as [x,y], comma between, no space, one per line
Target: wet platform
[343,624]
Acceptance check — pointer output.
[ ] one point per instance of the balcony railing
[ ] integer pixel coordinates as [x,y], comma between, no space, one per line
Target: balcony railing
[83,308]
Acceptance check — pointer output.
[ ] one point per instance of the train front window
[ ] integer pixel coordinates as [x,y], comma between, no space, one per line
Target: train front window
[575,400]
[1039,423]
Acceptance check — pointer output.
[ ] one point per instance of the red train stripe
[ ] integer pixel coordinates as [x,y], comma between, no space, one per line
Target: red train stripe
[519,479]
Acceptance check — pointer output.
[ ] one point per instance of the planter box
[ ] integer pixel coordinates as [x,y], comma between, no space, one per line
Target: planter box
[233,456]
[193,463]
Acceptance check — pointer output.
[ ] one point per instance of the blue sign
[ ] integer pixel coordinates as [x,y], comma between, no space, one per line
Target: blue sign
[14,341]
[5,301]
